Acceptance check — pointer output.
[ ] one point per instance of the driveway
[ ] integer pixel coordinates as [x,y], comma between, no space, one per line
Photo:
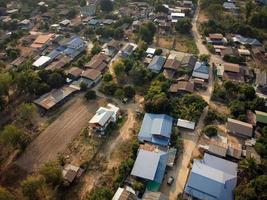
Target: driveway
[55,138]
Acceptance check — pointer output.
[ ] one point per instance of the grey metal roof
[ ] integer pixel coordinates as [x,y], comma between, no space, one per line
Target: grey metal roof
[146,165]
[157,63]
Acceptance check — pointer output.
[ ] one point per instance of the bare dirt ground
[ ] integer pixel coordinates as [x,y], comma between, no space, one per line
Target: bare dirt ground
[109,152]
[55,138]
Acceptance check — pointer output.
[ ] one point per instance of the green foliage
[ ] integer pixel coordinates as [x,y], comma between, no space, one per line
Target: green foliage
[158,52]
[189,107]
[32,187]
[14,136]
[83,86]
[138,186]
[129,91]
[259,18]
[210,131]
[146,32]
[96,49]
[204,58]
[52,173]
[90,94]
[156,100]
[106,5]
[183,26]
[237,108]
[261,144]
[161,9]
[139,74]
[213,115]
[107,77]
[26,112]
[100,194]
[109,87]
[5,195]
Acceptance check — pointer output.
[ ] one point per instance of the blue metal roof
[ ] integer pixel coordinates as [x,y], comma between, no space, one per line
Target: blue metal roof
[150,165]
[212,178]
[201,67]
[157,63]
[156,128]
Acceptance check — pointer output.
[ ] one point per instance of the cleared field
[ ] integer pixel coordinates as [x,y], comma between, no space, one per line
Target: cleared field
[55,138]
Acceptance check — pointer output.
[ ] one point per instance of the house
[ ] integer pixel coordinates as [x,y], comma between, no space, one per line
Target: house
[98,62]
[74,73]
[42,62]
[244,52]
[71,172]
[136,24]
[182,123]
[216,39]
[42,41]
[229,6]
[128,49]
[245,41]
[111,48]
[170,67]
[150,167]
[59,62]
[126,193]
[156,129]
[233,72]
[175,16]
[219,150]
[74,47]
[92,75]
[188,4]
[150,51]
[51,99]
[261,117]
[88,10]
[189,61]
[156,64]
[25,24]
[182,87]
[103,117]
[262,2]
[240,128]
[148,195]
[212,178]
[201,70]
[65,23]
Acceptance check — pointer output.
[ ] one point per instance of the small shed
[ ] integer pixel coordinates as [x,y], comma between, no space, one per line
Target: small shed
[186,124]
[240,128]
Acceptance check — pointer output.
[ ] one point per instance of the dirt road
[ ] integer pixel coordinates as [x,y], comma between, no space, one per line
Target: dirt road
[55,138]
[190,139]
[90,180]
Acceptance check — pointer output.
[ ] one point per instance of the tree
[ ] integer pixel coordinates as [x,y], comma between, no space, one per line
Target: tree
[248,9]
[33,187]
[129,91]
[183,26]
[26,112]
[138,73]
[107,77]
[96,49]
[247,91]
[244,192]
[56,80]
[83,86]
[14,136]
[119,70]
[210,131]
[248,168]
[52,173]
[5,82]
[118,33]
[237,108]
[158,52]
[90,94]
[106,5]
[5,195]
[204,58]
[109,88]
[147,32]
[161,8]
[100,194]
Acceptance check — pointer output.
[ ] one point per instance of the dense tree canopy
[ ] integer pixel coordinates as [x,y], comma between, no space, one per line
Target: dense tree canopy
[183,26]
[106,5]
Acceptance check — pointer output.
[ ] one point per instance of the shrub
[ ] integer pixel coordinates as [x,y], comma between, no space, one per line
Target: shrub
[90,94]
[210,131]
